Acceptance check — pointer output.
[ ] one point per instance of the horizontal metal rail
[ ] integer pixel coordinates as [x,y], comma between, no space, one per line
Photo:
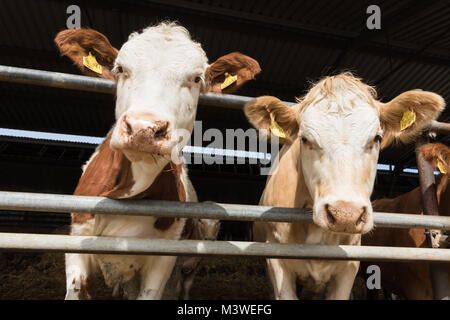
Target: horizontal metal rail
[99,205]
[20,242]
[84,83]
[439,127]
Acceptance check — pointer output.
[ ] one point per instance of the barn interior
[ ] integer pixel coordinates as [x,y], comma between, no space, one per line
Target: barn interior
[295,42]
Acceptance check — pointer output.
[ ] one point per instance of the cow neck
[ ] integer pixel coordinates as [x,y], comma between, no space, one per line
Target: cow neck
[109,174]
[443,194]
[286,187]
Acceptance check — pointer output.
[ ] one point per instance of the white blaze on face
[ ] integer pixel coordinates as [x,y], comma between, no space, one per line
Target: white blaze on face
[159,73]
[339,154]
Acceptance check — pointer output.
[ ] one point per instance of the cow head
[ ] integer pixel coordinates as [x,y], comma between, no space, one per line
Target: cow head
[160,73]
[341,128]
[208,228]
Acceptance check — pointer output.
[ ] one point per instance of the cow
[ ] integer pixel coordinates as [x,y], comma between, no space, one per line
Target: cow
[160,73]
[332,138]
[411,280]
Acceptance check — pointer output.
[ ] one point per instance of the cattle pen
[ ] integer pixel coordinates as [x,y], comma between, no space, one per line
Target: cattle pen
[67,204]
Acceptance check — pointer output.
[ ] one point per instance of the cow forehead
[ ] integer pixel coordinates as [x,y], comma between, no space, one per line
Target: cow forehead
[162,46]
[332,121]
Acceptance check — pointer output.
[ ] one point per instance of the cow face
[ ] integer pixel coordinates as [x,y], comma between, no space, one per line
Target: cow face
[340,135]
[208,228]
[160,73]
[340,127]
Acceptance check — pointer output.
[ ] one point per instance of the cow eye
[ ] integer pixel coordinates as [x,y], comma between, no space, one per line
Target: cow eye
[197,79]
[304,140]
[378,138]
[119,69]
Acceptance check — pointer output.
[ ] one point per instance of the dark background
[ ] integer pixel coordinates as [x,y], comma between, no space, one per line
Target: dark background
[295,42]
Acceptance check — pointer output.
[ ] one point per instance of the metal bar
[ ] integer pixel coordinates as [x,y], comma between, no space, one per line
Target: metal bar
[56,80]
[99,205]
[438,272]
[84,83]
[439,127]
[21,242]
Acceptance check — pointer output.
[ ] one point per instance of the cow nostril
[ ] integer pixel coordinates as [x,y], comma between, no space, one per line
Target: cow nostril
[330,217]
[362,217]
[161,131]
[128,127]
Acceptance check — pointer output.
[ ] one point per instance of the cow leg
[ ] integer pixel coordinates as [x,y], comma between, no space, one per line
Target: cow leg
[78,269]
[187,284]
[341,284]
[155,276]
[188,272]
[283,281]
[79,266]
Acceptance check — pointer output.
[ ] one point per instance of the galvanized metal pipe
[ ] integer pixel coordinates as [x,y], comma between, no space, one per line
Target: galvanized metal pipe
[131,246]
[438,272]
[84,83]
[99,205]
[439,127]
[56,80]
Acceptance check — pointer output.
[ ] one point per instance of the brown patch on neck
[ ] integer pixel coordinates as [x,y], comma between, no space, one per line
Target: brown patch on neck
[167,186]
[109,174]
[443,194]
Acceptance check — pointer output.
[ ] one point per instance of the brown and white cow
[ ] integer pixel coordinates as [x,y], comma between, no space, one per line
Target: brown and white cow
[328,163]
[411,280]
[160,73]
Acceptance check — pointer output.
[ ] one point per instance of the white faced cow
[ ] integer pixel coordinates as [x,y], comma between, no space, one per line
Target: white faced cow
[160,73]
[328,163]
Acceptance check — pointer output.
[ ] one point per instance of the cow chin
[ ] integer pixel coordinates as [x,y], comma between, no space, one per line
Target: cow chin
[137,156]
[146,152]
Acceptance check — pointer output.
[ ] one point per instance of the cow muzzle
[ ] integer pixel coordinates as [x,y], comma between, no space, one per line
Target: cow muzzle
[142,133]
[346,217]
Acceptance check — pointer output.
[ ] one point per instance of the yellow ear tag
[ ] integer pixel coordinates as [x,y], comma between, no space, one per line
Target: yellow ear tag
[277,130]
[441,167]
[409,117]
[229,79]
[91,63]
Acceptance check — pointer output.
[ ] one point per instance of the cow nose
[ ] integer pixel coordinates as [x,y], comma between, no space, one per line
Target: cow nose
[142,127]
[142,132]
[343,216]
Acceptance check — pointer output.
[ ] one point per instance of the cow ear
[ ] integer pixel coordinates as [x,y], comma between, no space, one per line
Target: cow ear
[230,72]
[90,50]
[270,113]
[438,155]
[407,115]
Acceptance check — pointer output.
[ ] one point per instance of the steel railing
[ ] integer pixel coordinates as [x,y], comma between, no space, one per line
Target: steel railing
[98,205]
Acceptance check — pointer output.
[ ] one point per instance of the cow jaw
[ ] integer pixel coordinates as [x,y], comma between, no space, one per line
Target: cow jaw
[339,158]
